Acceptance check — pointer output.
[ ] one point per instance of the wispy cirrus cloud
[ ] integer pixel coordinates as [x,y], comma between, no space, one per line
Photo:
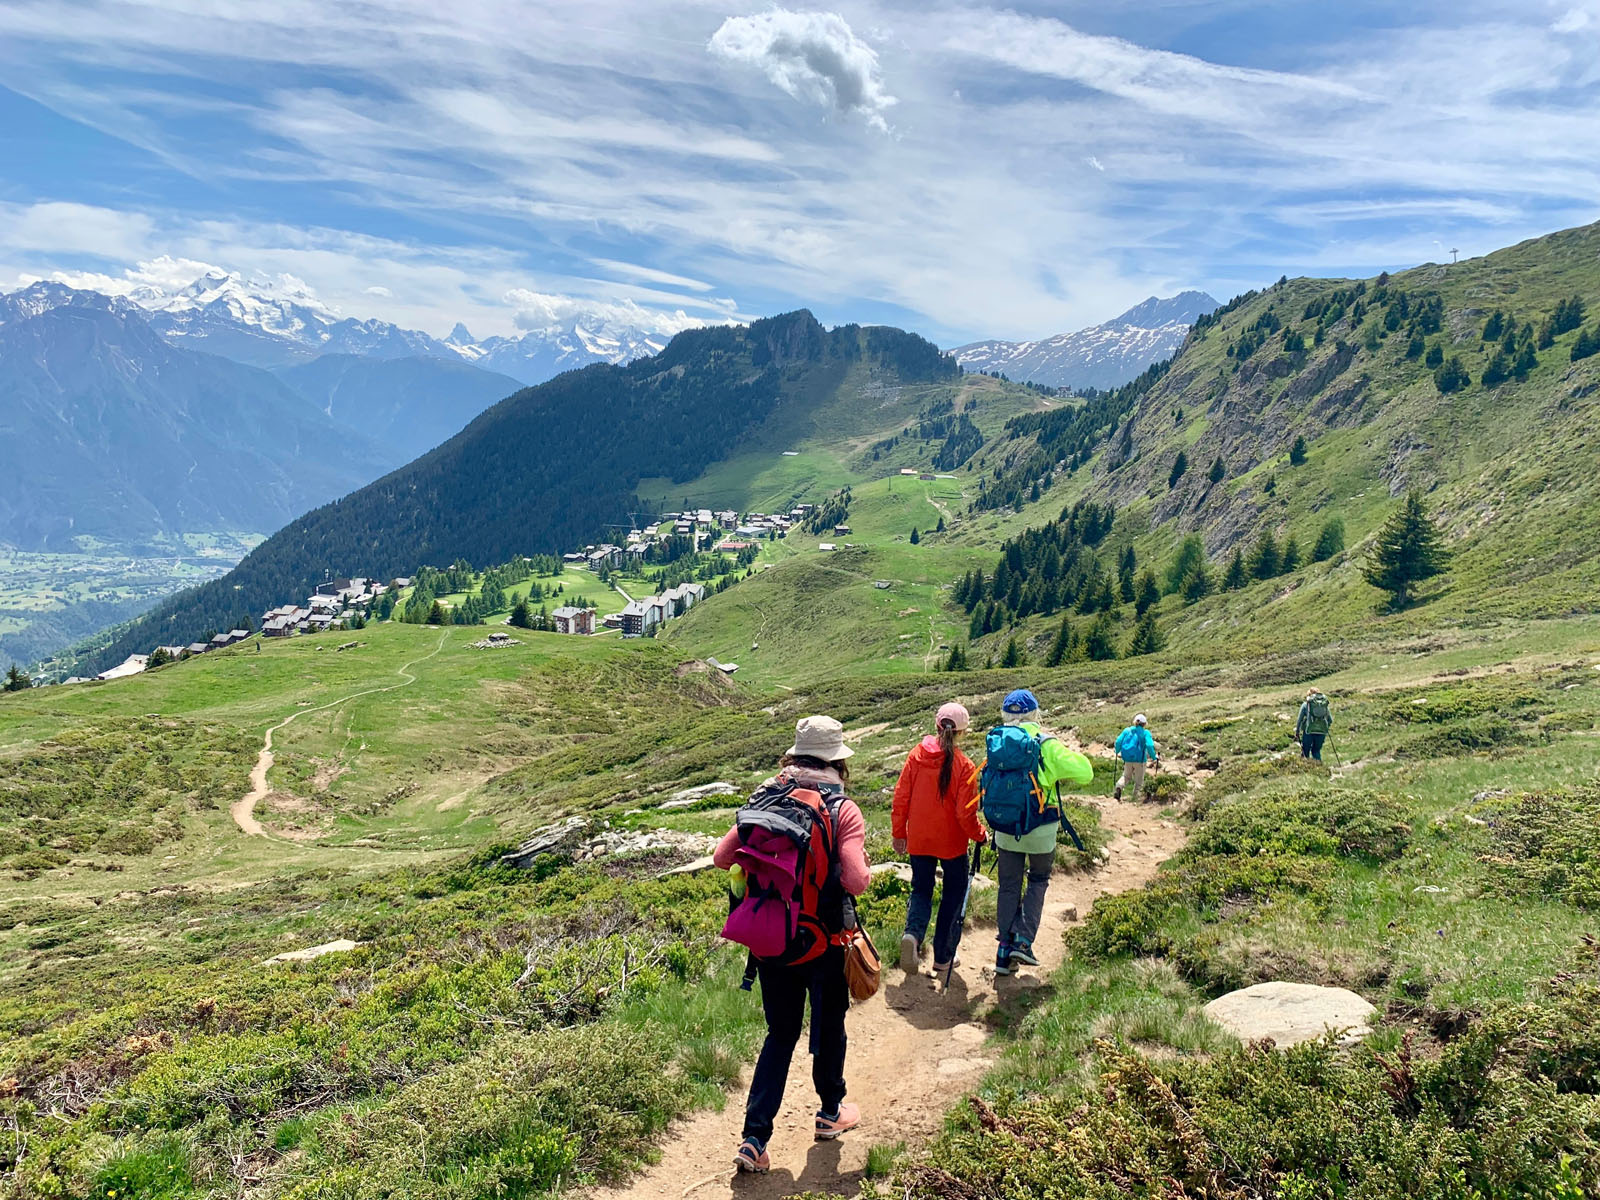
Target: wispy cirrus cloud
[1039,176]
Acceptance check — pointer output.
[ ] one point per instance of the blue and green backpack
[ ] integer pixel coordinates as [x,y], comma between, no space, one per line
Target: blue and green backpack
[1013,799]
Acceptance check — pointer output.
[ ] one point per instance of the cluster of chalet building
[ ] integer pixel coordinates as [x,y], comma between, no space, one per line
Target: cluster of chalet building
[642,618]
[336,601]
[725,530]
[331,604]
[135,663]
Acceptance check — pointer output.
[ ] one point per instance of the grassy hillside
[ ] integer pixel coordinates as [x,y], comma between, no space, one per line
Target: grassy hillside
[216,1075]
[1506,469]
[498,1032]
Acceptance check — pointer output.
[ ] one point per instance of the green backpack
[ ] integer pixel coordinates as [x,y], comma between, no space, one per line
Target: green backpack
[1319,718]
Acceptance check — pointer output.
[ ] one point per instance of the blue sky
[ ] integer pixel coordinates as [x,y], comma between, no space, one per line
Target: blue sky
[963,170]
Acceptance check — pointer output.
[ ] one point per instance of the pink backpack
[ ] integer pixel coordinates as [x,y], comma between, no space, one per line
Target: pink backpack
[793,902]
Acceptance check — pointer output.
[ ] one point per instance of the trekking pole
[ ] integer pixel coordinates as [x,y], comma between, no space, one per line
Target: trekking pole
[961,919]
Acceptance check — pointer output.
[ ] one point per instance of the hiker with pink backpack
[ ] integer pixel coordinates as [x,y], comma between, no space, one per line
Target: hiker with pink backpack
[797,857]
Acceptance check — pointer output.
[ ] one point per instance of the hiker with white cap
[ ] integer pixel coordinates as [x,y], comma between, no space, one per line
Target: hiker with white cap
[805,962]
[935,819]
[1135,747]
[1021,797]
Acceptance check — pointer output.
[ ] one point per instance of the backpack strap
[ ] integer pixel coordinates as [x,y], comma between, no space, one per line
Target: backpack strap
[1061,811]
[833,884]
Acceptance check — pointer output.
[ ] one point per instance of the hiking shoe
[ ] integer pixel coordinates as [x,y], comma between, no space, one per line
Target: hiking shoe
[752,1158]
[1116,792]
[940,968]
[1002,963]
[1023,953]
[910,951]
[846,1119]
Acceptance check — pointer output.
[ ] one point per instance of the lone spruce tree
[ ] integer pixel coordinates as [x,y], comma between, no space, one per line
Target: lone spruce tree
[1408,551]
[15,680]
[1147,636]
[1013,656]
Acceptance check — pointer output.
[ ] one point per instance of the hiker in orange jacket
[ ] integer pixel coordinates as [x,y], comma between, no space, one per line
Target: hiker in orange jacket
[935,817]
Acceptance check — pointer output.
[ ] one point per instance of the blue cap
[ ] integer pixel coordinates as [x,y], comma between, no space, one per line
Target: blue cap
[1019,701]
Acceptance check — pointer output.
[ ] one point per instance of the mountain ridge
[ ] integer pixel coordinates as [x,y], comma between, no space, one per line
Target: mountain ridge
[1101,356]
[279,325]
[114,409]
[547,468]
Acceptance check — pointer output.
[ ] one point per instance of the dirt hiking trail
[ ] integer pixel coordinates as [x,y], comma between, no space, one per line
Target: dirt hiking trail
[913,1051]
[243,810]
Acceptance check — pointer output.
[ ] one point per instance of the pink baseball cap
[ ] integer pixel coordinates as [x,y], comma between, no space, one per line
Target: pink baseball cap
[955,713]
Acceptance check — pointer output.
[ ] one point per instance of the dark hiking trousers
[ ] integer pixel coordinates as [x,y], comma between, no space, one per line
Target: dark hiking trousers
[920,905]
[1019,912]
[784,991]
[1311,745]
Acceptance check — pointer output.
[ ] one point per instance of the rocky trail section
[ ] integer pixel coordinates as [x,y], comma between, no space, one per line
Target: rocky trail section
[914,1049]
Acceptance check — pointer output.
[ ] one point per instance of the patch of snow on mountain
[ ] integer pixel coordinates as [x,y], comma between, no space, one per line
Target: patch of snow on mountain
[1102,356]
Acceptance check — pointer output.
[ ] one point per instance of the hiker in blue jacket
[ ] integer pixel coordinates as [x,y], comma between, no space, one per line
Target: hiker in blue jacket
[1135,747]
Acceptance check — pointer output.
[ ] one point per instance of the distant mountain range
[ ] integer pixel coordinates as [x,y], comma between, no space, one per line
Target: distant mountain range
[1102,356]
[274,326]
[111,433]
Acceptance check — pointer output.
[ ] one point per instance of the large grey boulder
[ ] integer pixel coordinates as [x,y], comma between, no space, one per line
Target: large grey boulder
[1289,1013]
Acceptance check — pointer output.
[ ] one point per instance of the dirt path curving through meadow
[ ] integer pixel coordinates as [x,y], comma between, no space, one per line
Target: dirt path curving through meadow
[243,810]
[914,1051]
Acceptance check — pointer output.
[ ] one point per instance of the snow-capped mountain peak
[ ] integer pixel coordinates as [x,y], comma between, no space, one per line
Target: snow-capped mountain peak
[1103,356]
[276,321]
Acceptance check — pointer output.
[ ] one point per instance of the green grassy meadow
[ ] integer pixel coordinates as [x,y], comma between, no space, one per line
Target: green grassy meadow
[497,1032]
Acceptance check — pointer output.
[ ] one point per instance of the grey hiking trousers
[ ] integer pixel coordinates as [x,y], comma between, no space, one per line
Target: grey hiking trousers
[1019,912]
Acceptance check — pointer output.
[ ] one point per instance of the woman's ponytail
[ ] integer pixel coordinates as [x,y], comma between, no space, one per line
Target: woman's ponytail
[947,743]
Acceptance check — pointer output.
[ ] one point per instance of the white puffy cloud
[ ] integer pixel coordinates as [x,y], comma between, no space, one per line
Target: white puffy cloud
[813,56]
[541,310]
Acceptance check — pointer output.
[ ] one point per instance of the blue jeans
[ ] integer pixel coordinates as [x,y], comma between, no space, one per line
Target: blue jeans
[1311,745]
[920,906]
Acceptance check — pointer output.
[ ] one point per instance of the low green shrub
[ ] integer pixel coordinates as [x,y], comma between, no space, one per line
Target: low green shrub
[1444,703]
[524,1115]
[1165,788]
[1300,667]
[1549,842]
[1468,736]
[1508,1109]
[1326,822]
[1137,922]
[1238,776]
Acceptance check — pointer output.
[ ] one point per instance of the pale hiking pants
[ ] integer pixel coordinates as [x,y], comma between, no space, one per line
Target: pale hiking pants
[1133,778]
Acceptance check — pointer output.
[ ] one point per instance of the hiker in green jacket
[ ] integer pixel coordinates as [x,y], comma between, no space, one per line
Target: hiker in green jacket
[1034,852]
[1312,726]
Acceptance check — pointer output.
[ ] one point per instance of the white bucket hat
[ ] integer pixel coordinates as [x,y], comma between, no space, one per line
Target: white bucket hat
[820,737]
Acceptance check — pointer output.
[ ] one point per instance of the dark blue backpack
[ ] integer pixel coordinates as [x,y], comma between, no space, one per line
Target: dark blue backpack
[1013,800]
